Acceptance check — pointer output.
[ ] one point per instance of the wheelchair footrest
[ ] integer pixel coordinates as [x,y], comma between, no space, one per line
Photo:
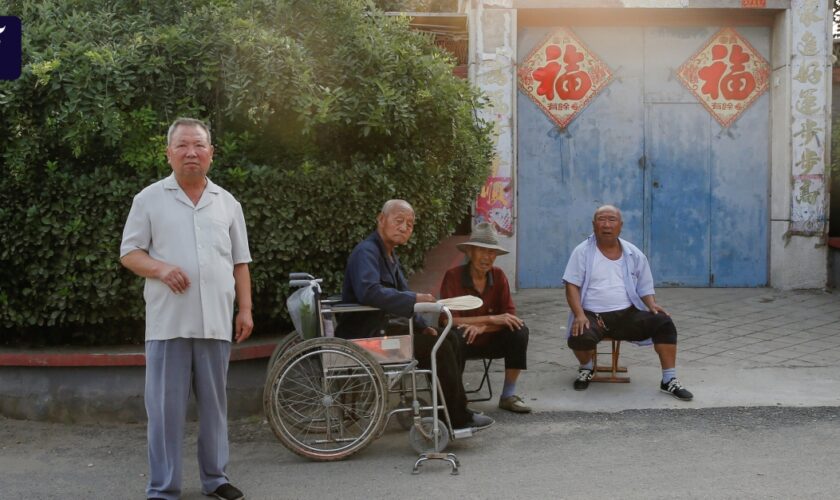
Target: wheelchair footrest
[462,433]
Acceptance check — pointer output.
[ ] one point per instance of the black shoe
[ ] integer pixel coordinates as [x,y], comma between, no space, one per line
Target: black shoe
[227,491]
[479,421]
[674,388]
[583,378]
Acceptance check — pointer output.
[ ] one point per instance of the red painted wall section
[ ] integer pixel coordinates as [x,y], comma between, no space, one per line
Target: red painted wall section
[135,358]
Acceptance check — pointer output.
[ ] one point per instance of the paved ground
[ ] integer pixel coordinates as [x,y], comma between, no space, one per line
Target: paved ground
[737,347]
[713,453]
[764,366]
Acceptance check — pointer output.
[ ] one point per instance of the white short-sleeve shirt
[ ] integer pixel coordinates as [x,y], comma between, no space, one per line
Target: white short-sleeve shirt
[205,240]
[606,285]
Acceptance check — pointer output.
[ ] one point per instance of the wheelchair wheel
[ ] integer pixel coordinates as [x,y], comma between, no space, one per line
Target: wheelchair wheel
[284,345]
[325,399]
[295,412]
[423,444]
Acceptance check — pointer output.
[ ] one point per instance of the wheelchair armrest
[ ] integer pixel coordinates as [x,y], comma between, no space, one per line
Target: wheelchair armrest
[346,307]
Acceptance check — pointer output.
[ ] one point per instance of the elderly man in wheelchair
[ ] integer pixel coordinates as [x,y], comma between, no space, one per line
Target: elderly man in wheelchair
[325,397]
[373,278]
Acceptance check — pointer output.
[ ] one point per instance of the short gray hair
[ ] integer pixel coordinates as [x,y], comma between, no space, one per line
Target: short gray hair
[390,205]
[187,122]
[604,208]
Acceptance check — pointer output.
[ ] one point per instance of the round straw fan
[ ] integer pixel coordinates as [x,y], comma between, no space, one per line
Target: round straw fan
[462,303]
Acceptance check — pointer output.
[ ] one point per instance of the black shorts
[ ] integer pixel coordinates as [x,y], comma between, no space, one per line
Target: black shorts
[626,324]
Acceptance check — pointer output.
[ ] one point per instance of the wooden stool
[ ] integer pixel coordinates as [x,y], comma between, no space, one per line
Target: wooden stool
[614,369]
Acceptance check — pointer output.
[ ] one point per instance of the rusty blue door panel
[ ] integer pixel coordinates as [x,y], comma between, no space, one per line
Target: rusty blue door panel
[679,173]
[740,160]
[666,49]
[563,175]
[733,169]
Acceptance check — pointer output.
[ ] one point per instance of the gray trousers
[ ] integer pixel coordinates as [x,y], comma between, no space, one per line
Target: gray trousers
[173,367]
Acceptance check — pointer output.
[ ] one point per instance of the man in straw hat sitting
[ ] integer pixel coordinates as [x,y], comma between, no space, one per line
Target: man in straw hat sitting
[493,330]
[373,278]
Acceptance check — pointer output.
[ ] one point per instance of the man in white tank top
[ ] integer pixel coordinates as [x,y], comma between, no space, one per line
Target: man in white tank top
[609,288]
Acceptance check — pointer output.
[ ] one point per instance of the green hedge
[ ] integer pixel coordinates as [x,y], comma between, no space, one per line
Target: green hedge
[320,110]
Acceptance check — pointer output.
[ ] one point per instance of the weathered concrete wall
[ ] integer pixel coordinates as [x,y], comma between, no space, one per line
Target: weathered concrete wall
[801,127]
[109,393]
[493,69]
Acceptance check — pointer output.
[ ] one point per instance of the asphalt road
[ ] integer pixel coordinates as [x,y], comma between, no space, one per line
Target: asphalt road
[764,452]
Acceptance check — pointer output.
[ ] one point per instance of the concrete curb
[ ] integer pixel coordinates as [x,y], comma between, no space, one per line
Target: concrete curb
[89,387]
[712,386]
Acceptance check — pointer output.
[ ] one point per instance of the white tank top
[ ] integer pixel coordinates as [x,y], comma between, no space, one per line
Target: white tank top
[606,290]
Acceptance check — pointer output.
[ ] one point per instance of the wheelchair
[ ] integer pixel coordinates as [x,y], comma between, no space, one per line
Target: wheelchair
[327,398]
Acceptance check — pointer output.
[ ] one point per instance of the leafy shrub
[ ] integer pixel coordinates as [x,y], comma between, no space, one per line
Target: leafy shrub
[320,111]
[418,5]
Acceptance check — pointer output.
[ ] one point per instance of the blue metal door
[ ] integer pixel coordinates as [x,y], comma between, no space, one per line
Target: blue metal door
[694,194]
[678,164]
[708,185]
[563,175]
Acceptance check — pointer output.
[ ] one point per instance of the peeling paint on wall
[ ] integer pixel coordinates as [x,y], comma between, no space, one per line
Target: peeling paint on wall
[809,68]
[494,75]
[495,202]
[503,4]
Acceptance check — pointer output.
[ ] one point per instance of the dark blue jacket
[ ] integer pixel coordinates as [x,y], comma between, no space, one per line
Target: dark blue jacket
[371,280]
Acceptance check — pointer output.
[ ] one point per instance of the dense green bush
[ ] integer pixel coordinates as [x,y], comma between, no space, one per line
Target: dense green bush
[320,111]
[418,5]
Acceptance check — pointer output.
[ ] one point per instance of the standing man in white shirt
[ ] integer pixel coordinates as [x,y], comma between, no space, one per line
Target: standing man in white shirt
[609,288]
[187,237]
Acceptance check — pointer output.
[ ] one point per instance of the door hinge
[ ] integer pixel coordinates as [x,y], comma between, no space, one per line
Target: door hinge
[712,279]
[643,162]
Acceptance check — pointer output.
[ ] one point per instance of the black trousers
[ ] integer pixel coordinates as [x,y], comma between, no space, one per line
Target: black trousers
[506,343]
[626,324]
[449,363]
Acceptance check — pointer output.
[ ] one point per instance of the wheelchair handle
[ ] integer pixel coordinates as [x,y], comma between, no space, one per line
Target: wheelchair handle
[428,307]
[301,276]
[302,282]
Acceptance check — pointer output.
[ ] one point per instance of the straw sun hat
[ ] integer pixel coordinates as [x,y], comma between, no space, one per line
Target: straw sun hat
[484,236]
